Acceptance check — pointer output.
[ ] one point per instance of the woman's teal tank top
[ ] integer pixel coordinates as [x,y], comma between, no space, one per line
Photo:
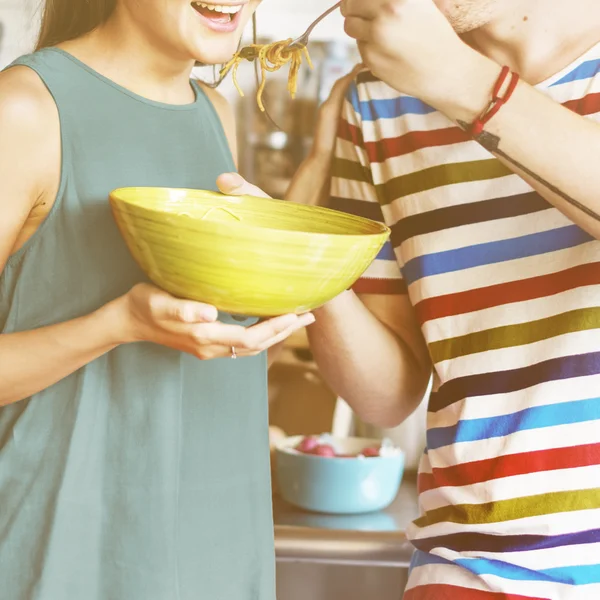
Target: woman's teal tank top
[145,474]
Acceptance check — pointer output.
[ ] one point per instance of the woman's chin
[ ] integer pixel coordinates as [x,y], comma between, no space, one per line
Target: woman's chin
[216,55]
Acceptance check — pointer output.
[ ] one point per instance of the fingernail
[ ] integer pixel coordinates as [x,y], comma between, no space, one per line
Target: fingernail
[187,314]
[233,180]
[288,320]
[208,313]
[196,314]
[307,319]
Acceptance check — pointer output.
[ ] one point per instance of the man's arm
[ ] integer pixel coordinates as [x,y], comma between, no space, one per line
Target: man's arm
[554,149]
[551,147]
[369,346]
[372,354]
[369,349]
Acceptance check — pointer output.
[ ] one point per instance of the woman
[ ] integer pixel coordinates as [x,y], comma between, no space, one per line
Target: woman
[129,468]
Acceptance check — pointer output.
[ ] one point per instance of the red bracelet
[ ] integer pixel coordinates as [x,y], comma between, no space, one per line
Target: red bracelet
[497,101]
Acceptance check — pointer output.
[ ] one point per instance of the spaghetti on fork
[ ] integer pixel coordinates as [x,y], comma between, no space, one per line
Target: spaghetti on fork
[271,58]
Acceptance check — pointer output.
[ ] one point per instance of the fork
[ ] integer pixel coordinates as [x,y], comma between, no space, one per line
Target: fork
[302,41]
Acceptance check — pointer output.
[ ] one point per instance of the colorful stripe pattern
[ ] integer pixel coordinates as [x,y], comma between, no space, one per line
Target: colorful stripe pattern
[507,292]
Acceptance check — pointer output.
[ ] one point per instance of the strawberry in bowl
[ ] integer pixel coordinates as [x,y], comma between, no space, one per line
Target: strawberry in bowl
[338,475]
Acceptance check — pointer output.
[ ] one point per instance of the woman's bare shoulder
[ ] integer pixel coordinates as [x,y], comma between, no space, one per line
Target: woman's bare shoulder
[29,150]
[24,99]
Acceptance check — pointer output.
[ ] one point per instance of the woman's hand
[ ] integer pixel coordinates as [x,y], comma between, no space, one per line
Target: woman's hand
[152,315]
[411,46]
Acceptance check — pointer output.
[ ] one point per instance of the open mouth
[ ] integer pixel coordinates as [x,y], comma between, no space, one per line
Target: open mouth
[219,14]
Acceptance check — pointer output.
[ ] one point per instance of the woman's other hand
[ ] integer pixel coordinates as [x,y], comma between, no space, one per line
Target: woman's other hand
[148,314]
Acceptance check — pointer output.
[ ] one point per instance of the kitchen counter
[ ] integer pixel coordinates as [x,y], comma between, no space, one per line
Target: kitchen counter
[375,539]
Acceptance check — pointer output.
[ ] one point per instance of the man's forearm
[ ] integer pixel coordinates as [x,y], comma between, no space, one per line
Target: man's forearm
[365,363]
[554,149]
[311,182]
[551,147]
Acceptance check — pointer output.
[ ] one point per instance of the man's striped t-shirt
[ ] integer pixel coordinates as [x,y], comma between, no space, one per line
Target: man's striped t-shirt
[507,292]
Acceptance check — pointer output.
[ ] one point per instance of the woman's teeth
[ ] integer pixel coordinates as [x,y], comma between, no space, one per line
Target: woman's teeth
[220,8]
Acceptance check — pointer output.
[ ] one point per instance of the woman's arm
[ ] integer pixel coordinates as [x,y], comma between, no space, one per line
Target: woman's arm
[31,361]
[29,147]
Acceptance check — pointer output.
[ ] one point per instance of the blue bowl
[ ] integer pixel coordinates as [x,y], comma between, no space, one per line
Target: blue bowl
[338,485]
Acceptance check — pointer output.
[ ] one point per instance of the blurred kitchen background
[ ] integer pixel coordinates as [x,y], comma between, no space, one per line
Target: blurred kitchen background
[270,151]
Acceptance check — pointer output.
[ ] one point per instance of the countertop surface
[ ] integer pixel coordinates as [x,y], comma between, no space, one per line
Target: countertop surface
[377,539]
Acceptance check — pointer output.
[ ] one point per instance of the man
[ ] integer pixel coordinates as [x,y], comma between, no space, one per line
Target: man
[492,277]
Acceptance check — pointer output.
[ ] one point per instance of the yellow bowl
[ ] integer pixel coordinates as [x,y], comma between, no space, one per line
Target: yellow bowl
[245,255]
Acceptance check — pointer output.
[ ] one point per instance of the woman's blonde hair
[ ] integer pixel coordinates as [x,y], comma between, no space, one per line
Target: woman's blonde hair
[64,20]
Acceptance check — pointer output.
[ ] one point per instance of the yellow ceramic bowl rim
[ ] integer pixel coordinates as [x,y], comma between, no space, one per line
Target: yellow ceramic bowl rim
[116,195]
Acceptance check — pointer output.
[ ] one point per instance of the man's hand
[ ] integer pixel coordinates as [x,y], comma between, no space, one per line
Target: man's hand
[411,46]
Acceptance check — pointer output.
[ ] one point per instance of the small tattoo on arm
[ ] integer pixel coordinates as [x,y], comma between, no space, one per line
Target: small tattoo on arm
[491,143]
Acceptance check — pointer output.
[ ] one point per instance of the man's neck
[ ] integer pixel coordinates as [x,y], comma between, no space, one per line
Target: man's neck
[538,38]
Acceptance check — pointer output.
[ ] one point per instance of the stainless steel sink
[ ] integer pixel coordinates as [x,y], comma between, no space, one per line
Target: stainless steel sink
[305,581]
[359,557]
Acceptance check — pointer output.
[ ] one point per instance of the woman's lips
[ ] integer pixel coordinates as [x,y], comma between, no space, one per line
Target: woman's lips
[217,21]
